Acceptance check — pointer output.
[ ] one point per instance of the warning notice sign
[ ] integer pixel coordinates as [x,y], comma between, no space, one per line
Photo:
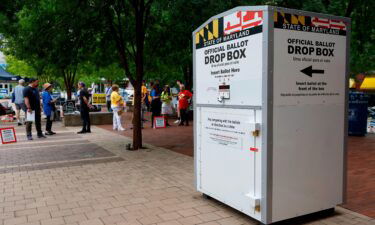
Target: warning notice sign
[309,60]
[223,129]
[8,135]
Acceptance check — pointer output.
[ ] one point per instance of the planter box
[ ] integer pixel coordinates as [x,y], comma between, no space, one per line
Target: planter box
[97,118]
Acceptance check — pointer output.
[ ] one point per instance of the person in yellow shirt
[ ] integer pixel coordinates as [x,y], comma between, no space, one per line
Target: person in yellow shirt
[144,92]
[117,105]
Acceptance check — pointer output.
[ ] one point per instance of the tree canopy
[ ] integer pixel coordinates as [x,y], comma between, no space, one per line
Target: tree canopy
[64,36]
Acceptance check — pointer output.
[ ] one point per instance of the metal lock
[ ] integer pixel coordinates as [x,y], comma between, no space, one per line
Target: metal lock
[255,129]
[254,202]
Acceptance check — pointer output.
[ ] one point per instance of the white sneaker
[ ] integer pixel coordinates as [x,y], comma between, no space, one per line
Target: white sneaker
[177,121]
[121,129]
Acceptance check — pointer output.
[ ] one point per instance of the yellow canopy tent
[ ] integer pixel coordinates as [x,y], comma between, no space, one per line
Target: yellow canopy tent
[351,83]
[368,84]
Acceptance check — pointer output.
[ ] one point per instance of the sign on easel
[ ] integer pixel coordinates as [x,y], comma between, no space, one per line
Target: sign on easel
[159,122]
[99,99]
[8,135]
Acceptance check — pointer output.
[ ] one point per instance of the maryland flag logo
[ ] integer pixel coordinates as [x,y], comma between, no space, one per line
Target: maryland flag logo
[281,18]
[309,24]
[211,31]
[228,25]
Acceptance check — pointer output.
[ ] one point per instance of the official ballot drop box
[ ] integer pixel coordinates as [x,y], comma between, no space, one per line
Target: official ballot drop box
[271,110]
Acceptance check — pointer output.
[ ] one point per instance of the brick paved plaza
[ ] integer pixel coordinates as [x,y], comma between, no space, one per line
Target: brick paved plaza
[361,160]
[91,180]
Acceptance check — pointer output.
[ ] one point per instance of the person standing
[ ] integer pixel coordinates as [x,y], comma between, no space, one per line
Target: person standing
[155,103]
[48,107]
[179,83]
[166,108]
[184,96]
[149,98]
[144,100]
[84,98]
[19,100]
[117,108]
[108,92]
[32,102]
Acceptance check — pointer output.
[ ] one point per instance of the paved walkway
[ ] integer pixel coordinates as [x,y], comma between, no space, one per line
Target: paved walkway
[90,179]
[361,160]
[361,175]
[177,139]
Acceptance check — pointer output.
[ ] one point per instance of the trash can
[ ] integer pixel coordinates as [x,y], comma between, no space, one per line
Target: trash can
[358,103]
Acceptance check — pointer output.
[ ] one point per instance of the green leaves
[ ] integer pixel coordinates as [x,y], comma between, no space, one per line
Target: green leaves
[58,35]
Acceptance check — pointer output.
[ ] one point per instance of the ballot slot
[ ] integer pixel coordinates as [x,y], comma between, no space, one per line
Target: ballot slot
[224,92]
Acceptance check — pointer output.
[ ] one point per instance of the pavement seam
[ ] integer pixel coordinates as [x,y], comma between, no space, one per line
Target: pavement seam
[10,146]
[58,164]
[55,162]
[47,146]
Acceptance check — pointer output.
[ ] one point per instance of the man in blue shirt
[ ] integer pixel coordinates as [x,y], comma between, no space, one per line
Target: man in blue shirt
[48,107]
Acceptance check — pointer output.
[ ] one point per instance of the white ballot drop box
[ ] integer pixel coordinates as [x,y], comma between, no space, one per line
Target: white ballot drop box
[270,110]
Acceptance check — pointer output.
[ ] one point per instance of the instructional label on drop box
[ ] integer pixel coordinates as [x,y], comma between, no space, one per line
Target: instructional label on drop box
[309,60]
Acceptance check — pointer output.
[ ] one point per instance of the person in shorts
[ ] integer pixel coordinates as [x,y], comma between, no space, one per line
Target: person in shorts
[19,100]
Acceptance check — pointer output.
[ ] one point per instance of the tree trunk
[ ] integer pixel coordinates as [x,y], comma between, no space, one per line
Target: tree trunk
[188,76]
[349,8]
[137,123]
[69,78]
[69,92]
[140,37]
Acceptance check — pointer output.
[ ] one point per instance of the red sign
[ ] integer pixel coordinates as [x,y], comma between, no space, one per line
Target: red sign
[8,135]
